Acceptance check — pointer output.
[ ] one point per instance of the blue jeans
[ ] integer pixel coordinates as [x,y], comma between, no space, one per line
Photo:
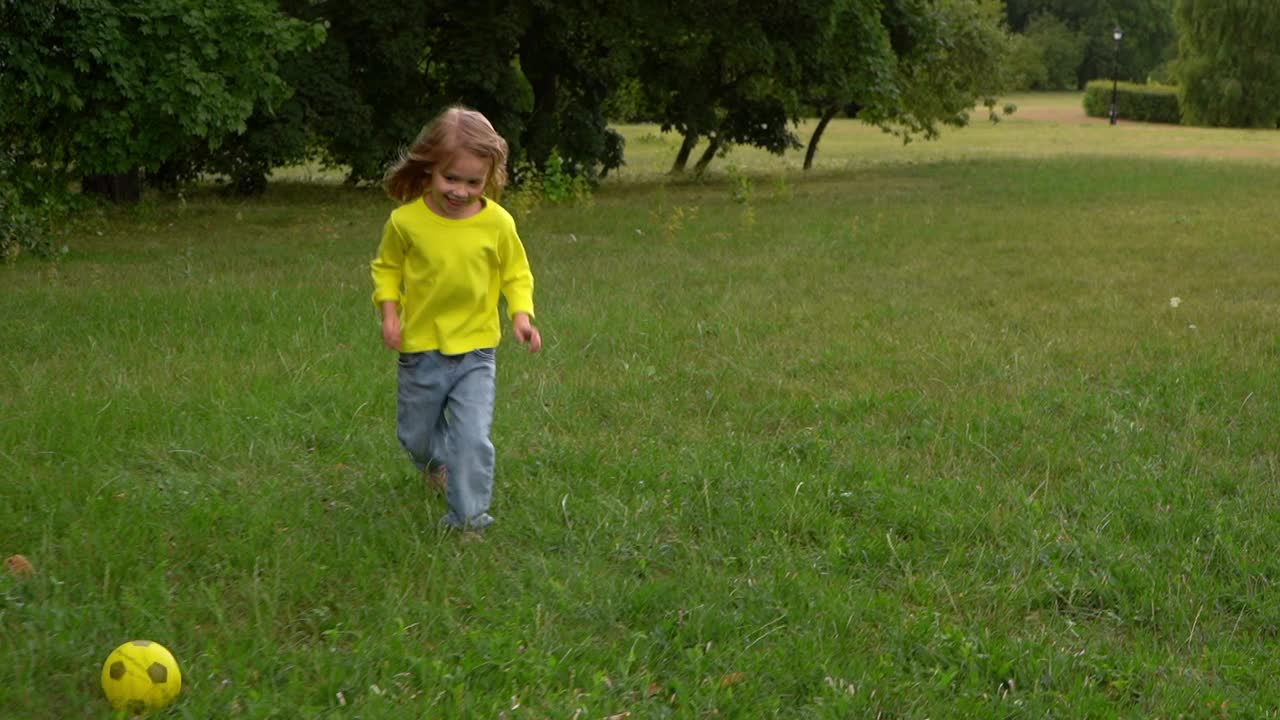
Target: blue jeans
[444,409]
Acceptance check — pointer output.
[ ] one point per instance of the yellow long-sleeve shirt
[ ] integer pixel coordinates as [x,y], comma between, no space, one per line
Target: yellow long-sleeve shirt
[447,274]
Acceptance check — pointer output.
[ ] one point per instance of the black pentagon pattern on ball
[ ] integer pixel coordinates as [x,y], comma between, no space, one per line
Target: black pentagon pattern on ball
[159,673]
[137,707]
[117,670]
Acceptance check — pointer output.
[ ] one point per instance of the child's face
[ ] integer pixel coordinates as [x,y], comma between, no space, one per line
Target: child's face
[456,188]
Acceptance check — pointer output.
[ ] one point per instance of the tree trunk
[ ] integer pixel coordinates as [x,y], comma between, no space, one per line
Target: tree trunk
[827,115]
[542,131]
[707,155]
[119,188]
[686,149]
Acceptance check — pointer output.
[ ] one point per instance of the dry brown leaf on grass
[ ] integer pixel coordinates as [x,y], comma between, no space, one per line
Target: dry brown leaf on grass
[20,566]
[732,679]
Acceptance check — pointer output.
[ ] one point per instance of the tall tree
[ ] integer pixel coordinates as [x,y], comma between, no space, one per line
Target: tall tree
[728,71]
[106,89]
[853,67]
[1147,26]
[571,55]
[1058,53]
[1229,63]
[917,64]
[534,68]
[387,66]
[958,63]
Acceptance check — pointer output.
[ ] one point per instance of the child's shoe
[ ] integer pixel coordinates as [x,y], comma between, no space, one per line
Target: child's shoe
[477,524]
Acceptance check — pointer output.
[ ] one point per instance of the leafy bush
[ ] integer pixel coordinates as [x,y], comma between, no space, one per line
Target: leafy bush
[627,103]
[1024,65]
[1162,74]
[22,228]
[1045,56]
[553,184]
[1228,70]
[1144,103]
[117,87]
[1061,51]
[271,139]
[27,210]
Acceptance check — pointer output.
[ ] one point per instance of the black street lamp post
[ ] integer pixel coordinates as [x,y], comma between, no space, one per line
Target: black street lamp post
[1115,72]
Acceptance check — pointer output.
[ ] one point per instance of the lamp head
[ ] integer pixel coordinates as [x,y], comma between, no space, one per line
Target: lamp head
[1117,34]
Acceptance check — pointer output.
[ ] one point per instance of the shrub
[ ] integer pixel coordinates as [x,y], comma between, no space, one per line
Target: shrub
[1061,51]
[22,228]
[1024,65]
[1144,103]
[1162,74]
[557,184]
[627,103]
[1045,56]
[28,208]
[553,184]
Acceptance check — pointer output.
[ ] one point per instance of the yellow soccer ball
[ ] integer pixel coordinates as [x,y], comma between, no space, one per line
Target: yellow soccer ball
[141,676]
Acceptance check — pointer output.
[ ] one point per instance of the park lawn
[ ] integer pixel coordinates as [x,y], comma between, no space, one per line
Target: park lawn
[990,433]
[1044,125]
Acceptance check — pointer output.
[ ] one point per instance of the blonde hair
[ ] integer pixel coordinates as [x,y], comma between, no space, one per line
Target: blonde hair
[457,128]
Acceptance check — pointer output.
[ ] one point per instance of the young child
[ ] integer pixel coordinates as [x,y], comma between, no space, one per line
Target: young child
[446,254]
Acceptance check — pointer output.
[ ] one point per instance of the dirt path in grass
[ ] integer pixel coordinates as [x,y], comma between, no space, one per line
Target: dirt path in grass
[1057,114]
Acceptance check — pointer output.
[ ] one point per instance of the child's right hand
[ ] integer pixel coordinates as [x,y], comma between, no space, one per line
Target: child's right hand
[391,331]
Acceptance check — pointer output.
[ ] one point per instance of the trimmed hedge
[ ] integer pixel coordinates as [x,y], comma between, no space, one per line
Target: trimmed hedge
[1145,103]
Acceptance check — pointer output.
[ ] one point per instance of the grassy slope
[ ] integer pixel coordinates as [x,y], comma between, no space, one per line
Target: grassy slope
[918,440]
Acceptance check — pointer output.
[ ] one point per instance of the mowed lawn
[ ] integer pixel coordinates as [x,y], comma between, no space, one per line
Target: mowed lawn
[985,427]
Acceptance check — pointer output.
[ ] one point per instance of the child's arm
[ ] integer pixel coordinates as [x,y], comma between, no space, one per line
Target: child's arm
[517,287]
[391,325]
[525,331]
[387,270]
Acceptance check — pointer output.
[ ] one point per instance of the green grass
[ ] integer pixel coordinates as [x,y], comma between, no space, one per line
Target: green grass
[1045,125]
[900,439]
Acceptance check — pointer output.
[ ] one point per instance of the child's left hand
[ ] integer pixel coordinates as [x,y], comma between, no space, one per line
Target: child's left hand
[526,333]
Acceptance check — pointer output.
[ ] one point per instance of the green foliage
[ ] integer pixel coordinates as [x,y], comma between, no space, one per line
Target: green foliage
[855,60]
[109,87]
[301,128]
[915,64]
[32,205]
[1024,67]
[571,54]
[250,85]
[626,103]
[1147,25]
[728,71]
[552,183]
[534,69]
[386,67]
[955,59]
[29,206]
[243,160]
[1143,103]
[1163,75]
[555,182]
[741,186]
[1056,52]
[1228,69]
